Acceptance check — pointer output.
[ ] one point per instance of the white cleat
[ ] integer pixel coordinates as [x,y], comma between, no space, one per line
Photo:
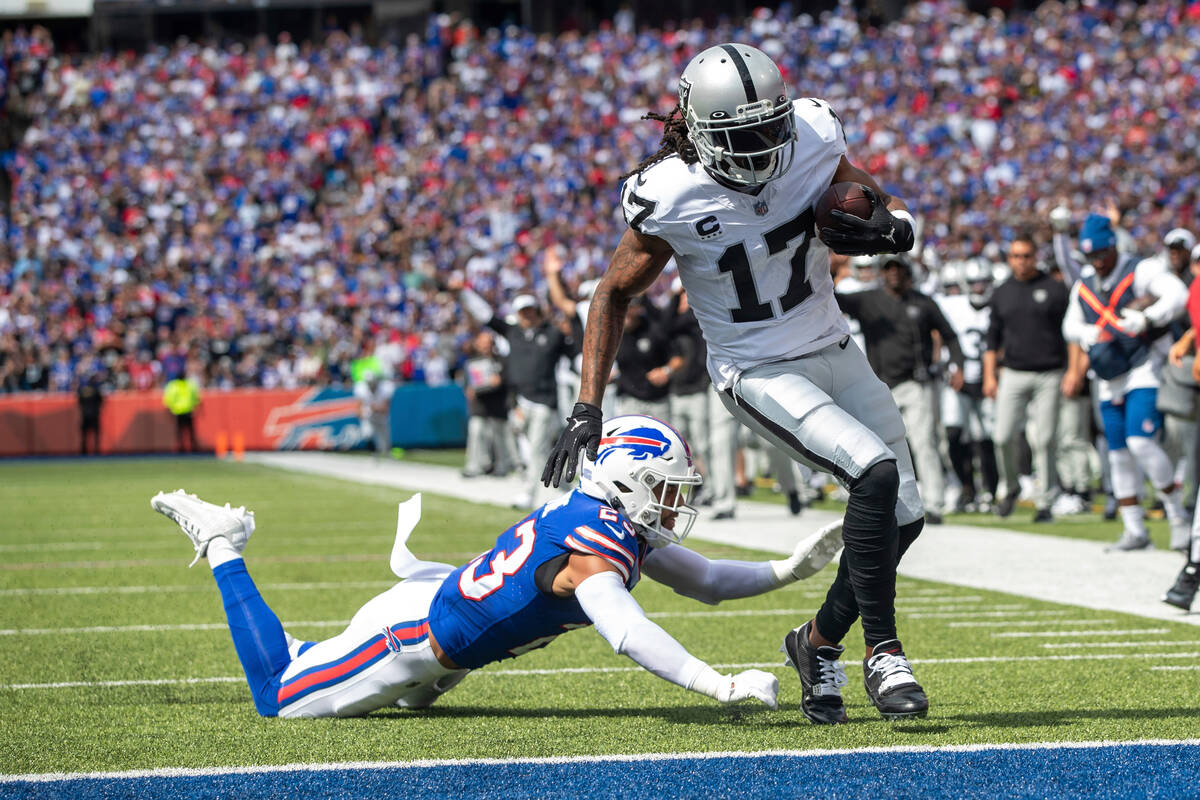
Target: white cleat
[202,522]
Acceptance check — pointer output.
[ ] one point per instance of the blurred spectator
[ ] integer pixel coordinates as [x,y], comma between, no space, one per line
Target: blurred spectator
[644,362]
[490,449]
[374,391]
[181,397]
[534,348]
[90,400]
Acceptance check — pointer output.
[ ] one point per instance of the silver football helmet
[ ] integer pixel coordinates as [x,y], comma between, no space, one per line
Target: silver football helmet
[738,114]
[979,277]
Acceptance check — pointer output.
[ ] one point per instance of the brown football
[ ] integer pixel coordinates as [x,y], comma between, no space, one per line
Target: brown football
[847,197]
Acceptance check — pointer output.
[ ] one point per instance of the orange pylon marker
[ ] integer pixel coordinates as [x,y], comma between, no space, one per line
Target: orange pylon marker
[239,446]
[222,444]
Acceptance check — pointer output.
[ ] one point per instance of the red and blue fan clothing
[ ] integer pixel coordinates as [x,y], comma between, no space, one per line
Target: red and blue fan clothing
[497,606]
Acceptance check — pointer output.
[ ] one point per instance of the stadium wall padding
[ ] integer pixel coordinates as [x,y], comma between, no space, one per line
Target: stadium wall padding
[41,423]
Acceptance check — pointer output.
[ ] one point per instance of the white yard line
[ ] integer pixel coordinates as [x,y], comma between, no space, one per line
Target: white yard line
[189,587]
[1159,643]
[1181,668]
[196,772]
[1029,623]
[603,670]
[1029,634]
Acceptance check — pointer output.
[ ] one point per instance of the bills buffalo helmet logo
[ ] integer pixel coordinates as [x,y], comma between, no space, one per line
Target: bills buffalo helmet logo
[640,444]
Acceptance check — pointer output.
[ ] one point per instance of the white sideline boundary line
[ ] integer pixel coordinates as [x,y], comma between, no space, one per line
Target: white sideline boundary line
[1176,668]
[190,772]
[1030,634]
[520,673]
[1162,643]
[1024,623]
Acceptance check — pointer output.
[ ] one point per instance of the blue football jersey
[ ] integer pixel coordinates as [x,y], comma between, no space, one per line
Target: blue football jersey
[492,608]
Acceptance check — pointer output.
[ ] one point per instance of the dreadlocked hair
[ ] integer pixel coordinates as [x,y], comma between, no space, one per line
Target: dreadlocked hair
[674,141]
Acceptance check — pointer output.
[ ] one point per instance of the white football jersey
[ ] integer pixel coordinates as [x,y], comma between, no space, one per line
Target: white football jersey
[970,325]
[754,270]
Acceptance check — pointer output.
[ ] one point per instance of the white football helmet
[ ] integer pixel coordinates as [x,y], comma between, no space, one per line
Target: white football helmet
[738,113]
[644,467]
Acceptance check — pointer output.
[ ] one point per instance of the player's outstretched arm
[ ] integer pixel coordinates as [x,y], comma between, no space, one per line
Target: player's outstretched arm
[623,624]
[637,261]
[692,575]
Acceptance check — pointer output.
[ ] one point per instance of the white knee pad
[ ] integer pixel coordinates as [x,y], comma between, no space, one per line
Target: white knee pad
[1153,461]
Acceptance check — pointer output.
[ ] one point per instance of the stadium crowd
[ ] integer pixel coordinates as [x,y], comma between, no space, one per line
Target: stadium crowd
[264,213]
[264,208]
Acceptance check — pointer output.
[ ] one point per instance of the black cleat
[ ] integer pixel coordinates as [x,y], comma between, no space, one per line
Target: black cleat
[795,504]
[1183,592]
[890,683]
[1043,515]
[1005,507]
[933,518]
[821,676]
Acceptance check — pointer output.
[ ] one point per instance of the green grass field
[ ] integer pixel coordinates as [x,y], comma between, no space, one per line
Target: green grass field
[83,550]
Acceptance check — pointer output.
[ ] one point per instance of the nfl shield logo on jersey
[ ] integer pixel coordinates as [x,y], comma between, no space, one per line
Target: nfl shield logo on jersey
[760,208]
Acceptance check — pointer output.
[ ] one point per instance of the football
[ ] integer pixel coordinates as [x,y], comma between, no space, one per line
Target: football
[848,197]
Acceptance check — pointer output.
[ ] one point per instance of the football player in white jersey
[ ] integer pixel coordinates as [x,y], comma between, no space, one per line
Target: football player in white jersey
[730,196]
[966,413]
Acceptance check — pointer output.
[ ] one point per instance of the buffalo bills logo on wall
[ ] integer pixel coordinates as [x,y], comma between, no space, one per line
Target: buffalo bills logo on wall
[639,443]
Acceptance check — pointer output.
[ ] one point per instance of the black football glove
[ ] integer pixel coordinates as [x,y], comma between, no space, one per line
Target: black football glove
[583,430]
[855,236]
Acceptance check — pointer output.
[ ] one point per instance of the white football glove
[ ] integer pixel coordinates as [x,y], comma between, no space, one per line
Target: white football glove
[1134,322]
[811,555]
[1060,219]
[753,684]
[1089,336]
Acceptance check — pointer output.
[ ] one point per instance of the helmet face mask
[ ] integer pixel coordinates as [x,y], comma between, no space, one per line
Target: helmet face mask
[644,468]
[738,114]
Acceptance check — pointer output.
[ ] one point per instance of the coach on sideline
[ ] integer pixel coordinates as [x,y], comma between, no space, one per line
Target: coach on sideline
[534,347]
[1025,337]
[897,325]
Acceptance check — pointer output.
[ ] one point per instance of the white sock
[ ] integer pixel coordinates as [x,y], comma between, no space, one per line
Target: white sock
[1134,517]
[1173,504]
[221,551]
[1195,554]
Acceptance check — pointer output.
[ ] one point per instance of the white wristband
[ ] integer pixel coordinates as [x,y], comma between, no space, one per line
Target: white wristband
[708,682]
[907,217]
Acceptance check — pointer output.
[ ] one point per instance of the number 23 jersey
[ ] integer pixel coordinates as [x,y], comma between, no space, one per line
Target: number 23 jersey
[754,270]
[493,607]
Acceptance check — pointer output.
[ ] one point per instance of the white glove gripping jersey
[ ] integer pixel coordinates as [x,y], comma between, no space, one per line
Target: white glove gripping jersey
[970,325]
[754,270]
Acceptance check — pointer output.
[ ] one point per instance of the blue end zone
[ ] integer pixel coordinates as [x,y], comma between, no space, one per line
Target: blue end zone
[1132,771]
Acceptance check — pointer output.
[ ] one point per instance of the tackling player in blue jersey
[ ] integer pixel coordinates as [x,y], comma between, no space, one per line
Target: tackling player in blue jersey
[569,564]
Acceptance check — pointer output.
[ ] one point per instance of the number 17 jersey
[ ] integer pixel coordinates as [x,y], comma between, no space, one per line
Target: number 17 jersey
[755,272]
